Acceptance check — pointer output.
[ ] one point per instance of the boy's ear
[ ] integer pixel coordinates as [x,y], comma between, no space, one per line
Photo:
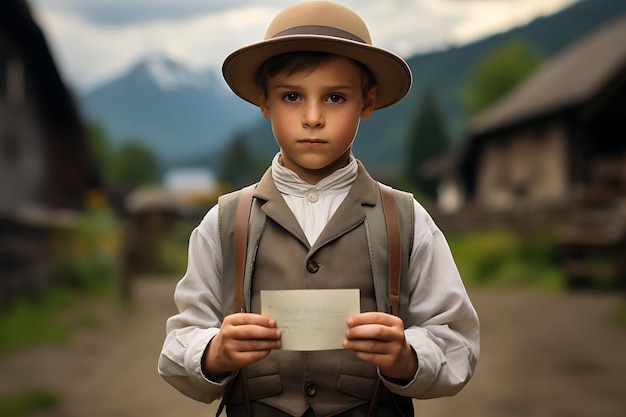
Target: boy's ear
[369,103]
[265,108]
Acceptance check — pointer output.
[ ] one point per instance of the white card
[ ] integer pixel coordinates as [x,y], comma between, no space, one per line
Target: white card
[311,319]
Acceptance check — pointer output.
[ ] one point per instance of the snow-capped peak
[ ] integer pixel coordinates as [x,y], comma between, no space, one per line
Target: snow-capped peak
[170,75]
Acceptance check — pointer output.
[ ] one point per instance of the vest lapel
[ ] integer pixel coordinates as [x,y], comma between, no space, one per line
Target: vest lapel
[275,208]
[350,213]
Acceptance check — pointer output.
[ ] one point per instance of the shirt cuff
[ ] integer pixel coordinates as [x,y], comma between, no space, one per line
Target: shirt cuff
[193,359]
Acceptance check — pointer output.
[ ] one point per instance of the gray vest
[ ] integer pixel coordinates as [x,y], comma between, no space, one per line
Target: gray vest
[280,257]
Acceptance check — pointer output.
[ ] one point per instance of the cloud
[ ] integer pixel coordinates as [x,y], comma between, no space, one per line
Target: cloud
[96,40]
[90,53]
[483,17]
[124,12]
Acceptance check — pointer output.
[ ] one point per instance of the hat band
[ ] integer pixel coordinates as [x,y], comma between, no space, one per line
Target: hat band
[319,30]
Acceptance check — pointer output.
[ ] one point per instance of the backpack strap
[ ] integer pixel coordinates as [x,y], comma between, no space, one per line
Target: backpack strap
[394,242]
[242,215]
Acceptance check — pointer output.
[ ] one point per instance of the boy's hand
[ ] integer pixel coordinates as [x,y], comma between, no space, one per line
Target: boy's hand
[378,338]
[243,339]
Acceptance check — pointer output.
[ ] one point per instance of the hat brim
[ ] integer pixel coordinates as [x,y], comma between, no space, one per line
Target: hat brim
[393,76]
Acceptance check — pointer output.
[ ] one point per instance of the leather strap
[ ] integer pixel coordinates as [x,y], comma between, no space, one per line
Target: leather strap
[394,242]
[242,214]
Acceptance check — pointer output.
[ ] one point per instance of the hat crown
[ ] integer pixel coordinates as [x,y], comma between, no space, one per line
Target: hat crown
[318,26]
[321,18]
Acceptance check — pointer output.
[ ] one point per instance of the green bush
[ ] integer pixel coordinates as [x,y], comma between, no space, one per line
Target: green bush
[23,403]
[618,315]
[170,257]
[87,253]
[173,249]
[85,265]
[50,319]
[501,258]
[159,251]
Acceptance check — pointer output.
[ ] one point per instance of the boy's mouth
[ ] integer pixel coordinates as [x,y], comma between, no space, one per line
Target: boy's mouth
[312,141]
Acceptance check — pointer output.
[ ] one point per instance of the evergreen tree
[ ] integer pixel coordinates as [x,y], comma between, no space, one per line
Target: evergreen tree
[100,149]
[237,167]
[131,164]
[499,73]
[427,139]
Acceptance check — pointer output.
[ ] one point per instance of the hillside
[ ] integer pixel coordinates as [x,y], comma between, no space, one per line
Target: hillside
[175,111]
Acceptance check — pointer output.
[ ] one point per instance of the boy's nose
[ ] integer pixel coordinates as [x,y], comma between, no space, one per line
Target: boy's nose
[312,116]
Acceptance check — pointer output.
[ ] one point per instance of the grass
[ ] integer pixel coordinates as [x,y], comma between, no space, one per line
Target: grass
[172,253]
[24,402]
[86,267]
[50,319]
[618,316]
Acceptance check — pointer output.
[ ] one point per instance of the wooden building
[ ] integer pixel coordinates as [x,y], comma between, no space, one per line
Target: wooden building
[557,144]
[46,170]
[559,138]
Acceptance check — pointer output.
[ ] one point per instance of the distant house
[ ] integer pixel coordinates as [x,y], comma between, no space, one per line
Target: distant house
[560,138]
[556,146]
[45,166]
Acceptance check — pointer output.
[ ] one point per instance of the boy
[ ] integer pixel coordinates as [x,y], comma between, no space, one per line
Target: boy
[315,76]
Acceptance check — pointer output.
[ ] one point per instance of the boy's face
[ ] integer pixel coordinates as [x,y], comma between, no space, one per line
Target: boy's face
[315,116]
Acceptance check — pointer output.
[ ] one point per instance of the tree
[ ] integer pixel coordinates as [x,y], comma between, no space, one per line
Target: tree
[134,164]
[499,73]
[100,149]
[237,167]
[427,138]
[130,164]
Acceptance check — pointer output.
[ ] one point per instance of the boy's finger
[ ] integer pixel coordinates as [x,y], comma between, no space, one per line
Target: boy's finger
[373,332]
[240,319]
[372,317]
[254,332]
[256,345]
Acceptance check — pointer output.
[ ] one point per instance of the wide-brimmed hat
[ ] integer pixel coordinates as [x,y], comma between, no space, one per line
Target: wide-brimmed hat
[318,26]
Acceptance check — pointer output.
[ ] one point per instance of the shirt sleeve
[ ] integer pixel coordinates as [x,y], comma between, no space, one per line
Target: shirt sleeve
[442,326]
[198,299]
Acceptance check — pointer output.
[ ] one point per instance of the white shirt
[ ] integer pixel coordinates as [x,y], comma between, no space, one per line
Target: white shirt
[442,327]
[313,205]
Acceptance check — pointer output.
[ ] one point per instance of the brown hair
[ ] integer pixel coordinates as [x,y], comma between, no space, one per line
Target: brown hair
[292,62]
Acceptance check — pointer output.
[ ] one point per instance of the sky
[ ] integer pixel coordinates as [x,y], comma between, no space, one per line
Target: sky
[93,41]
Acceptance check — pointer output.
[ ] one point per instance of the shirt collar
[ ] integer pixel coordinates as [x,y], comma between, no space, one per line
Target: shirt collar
[288,182]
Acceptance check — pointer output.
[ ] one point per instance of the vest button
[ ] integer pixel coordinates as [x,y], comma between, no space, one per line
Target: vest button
[310,389]
[312,266]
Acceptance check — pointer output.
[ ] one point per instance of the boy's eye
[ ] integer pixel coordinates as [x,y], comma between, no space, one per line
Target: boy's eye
[335,98]
[291,97]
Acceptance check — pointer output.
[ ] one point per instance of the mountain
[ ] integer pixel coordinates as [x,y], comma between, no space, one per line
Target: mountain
[188,117]
[175,111]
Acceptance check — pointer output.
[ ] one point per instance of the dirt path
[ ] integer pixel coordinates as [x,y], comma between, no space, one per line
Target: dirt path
[542,355]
